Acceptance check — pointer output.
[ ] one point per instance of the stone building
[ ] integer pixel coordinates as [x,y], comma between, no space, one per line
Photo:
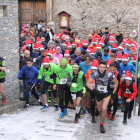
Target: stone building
[9,44]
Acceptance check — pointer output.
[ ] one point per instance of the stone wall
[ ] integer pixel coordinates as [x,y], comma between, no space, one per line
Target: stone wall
[91,14]
[9,45]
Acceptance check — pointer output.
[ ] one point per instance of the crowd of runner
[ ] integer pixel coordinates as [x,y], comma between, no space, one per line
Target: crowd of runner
[90,75]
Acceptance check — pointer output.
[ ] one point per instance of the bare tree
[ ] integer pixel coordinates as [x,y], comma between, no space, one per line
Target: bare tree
[118,9]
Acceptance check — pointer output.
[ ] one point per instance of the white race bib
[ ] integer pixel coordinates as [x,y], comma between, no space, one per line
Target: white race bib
[34,59]
[49,78]
[111,86]
[102,88]
[73,96]
[63,81]
[128,91]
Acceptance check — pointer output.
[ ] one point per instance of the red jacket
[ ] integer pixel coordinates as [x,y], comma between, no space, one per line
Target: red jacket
[124,86]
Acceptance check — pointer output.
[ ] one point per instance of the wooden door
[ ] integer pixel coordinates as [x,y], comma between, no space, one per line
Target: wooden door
[29,9]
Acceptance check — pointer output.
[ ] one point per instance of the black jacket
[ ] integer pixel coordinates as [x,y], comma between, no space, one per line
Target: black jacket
[119,38]
[38,61]
[23,62]
[46,35]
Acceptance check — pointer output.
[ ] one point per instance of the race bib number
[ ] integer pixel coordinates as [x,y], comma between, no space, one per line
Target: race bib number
[63,81]
[93,83]
[128,91]
[102,88]
[73,96]
[111,86]
[34,59]
[49,78]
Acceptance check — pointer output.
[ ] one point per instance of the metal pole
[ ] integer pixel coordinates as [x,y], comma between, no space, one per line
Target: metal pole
[134,112]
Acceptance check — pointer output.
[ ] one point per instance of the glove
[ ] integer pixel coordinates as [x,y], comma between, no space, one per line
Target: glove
[20,78]
[114,92]
[84,90]
[74,85]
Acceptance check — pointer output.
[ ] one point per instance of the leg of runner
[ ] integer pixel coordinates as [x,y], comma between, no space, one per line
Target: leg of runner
[109,110]
[77,115]
[55,98]
[2,93]
[83,104]
[88,103]
[44,96]
[131,105]
[61,98]
[67,99]
[49,94]
[125,111]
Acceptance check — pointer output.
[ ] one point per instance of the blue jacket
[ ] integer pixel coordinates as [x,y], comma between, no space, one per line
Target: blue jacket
[129,67]
[118,66]
[106,58]
[31,74]
[34,55]
[45,46]
[84,68]
[73,56]
[21,42]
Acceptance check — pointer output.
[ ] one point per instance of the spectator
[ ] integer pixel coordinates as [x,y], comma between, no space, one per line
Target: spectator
[21,40]
[105,34]
[119,37]
[45,34]
[43,43]
[99,32]
[40,24]
[72,37]
[37,34]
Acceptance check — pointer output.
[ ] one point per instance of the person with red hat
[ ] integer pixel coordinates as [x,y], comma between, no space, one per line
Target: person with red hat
[57,40]
[67,55]
[114,48]
[114,98]
[47,69]
[51,58]
[119,57]
[129,89]
[127,47]
[94,66]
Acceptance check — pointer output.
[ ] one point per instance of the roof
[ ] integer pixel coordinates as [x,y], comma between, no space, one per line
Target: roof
[64,12]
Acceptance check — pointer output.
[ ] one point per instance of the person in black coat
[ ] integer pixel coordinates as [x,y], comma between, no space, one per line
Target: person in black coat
[119,37]
[45,34]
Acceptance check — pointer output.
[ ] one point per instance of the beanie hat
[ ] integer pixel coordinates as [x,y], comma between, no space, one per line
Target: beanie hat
[99,55]
[45,61]
[76,67]
[69,29]
[63,61]
[128,75]
[87,57]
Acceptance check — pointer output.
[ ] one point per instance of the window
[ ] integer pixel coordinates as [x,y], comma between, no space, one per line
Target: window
[3,11]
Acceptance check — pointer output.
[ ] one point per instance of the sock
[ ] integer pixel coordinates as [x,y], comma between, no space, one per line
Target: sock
[101,123]
[46,104]
[77,109]
[49,92]
[39,100]
[27,104]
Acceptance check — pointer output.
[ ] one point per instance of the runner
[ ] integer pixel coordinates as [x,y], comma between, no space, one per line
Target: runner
[47,69]
[102,77]
[129,89]
[62,71]
[76,82]
[114,97]
[2,80]
[31,73]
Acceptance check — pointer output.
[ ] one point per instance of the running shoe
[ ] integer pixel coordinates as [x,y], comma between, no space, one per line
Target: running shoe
[93,119]
[112,117]
[108,114]
[61,115]
[3,102]
[26,107]
[88,110]
[65,111]
[56,108]
[83,112]
[44,107]
[124,122]
[76,118]
[102,130]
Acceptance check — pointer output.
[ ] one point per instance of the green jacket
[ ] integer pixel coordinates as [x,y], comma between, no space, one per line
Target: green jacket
[78,80]
[48,74]
[62,74]
[2,64]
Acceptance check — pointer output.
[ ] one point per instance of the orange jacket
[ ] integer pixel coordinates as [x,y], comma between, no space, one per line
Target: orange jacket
[97,36]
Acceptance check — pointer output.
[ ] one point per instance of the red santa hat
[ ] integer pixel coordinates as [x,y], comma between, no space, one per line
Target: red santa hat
[125,58]
[134,43]
[98,46]
[28,43]
[67,53]
[38,39]
[45,61]
[125,40]
[112,36]
[56,36]
[64,44]
[41,47]
[85,42]
[134,58]
[120,48]
[36,46]
[74,44]
[95,65]
[119,56]
[109,62]
[128,75]
[69,45]
[67,37]
[50,52]
[102,41]
[112,40]
[134,50]
[94,40]
[114,46]
[128,43]
[91,51]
